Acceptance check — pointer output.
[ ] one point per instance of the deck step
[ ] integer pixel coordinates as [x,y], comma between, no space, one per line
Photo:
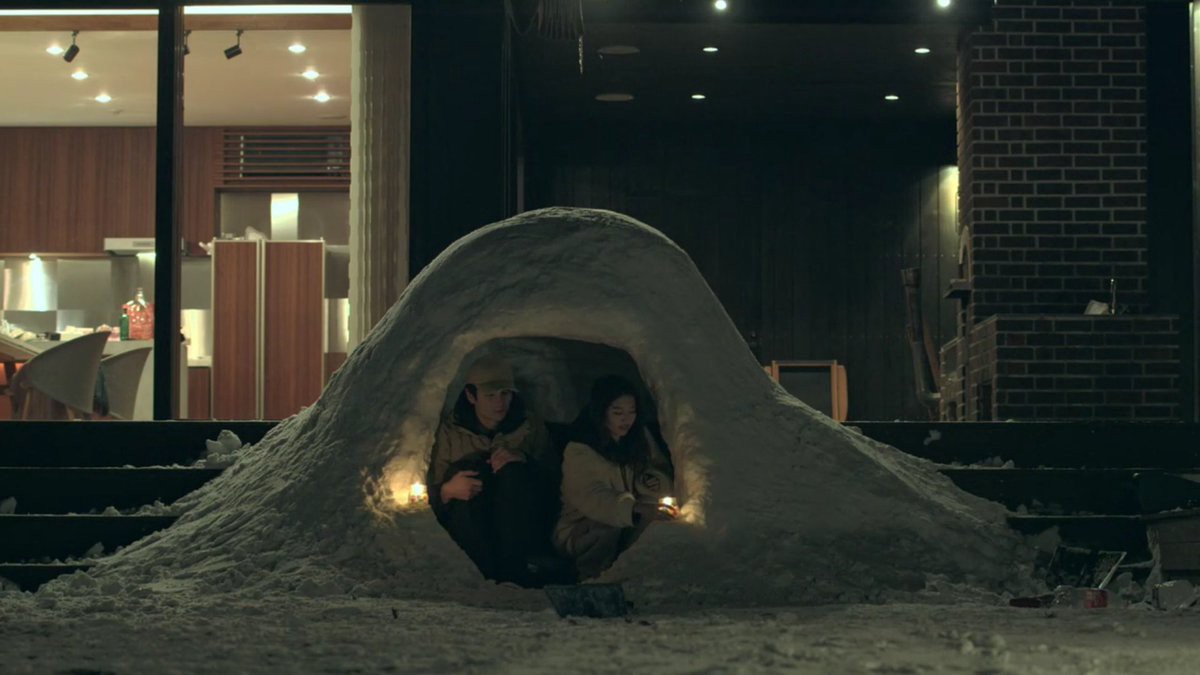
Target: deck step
[1101,533]
[1054,491]
[30,576]
[1158,445]
[47,444]
[35,538]
[83,489]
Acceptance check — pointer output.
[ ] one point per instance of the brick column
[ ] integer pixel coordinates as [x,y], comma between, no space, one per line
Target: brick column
[1052,162]
[1052,157]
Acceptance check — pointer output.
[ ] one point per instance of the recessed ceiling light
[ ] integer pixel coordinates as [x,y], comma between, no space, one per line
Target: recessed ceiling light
[297,48]
[54,50]
[698,97]
[891,97]
[614,97]
[321,97]
[721,5]
[710,49]
[921,50]
[103,98]
[310,74]
[79,75]
[943,3]
[618,50]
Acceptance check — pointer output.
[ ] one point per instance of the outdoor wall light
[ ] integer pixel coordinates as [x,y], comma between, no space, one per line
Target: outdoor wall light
[720,5]
[73,50]
[236,48]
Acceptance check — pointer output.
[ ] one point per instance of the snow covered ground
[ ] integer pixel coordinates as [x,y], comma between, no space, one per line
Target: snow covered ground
[224,634]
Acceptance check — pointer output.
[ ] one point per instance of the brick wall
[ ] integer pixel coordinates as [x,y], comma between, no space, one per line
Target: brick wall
[1052,157]
[1075,368]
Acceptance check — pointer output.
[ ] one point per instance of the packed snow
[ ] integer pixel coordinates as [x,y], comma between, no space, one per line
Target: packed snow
[307,554]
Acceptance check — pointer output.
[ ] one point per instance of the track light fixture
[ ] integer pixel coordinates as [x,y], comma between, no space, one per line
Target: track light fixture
[237,48]
[73,50]
[186,50]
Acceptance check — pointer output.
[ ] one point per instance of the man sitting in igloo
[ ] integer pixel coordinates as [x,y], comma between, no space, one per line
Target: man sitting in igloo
[492,479]
[778,504]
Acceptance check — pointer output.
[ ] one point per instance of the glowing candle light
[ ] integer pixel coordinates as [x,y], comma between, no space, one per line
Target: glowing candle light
[417,492]
[667,501]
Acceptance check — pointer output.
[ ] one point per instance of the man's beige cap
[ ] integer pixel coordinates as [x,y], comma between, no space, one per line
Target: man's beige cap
[491,374]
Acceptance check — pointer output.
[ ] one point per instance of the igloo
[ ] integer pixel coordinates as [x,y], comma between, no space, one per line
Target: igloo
[780,505]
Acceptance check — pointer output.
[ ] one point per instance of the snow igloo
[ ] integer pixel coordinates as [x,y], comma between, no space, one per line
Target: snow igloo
[780,504]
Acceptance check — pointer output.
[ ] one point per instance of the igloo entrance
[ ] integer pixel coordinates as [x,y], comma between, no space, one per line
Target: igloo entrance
[496,508]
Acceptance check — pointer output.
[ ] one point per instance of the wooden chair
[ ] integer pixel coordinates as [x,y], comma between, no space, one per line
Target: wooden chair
[64,374]
[121,374]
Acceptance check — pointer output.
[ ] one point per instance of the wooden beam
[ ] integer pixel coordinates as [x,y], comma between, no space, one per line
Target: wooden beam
[200,22]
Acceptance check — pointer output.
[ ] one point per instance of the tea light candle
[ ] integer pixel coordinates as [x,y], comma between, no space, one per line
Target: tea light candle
[417,492]
[667,501]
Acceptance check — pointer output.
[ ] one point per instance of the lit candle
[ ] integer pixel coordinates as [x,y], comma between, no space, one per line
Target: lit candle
[667,501]
[417,492]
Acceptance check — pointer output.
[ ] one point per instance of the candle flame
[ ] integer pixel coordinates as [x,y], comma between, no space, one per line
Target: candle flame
[667,501]
[416,492]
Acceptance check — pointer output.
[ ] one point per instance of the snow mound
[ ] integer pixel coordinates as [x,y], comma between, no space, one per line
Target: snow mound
[781,505]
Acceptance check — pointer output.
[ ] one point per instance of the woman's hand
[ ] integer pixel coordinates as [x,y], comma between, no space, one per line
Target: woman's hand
[651,512]
[463,486]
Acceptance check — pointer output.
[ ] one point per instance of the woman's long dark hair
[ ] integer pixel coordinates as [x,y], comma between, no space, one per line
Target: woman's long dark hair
[589,427]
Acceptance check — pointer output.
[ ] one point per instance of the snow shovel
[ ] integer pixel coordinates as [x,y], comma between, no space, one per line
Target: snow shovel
[599,601]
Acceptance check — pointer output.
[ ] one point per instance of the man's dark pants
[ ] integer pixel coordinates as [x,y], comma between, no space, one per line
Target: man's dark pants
[505,523]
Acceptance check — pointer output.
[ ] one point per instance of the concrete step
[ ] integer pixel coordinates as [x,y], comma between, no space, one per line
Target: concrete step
[1155,445]
[110,443]
[30,576]
[82,489]
[34,538]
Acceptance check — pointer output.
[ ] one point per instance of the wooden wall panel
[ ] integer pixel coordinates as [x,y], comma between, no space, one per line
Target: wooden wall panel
[198,203]
[294,325]
[66,188]
[801,230]
[199,394]
[235,345]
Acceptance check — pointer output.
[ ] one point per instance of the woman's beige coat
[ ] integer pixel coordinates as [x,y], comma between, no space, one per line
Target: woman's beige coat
[596,489]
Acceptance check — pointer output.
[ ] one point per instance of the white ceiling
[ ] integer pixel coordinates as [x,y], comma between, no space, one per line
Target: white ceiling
[263,86]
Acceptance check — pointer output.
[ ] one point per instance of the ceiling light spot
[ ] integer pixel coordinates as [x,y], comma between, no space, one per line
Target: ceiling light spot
[79,75]
[297,48]
[710,50]
[310,74]
[698,97]
[321,97]
[944,4]
[619,50]
[891,97]
[54,50]
[921,50]
[721,5]
[614,97]
[103,98]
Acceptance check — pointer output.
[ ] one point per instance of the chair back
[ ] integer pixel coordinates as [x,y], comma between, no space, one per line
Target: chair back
[122,375]
[66,372]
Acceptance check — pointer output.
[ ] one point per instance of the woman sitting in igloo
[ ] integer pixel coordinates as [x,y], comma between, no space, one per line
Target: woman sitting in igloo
[614,475]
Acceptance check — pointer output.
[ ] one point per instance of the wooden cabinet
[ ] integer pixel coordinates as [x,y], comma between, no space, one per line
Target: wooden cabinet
[199,401]
[268,327]
[64,189]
